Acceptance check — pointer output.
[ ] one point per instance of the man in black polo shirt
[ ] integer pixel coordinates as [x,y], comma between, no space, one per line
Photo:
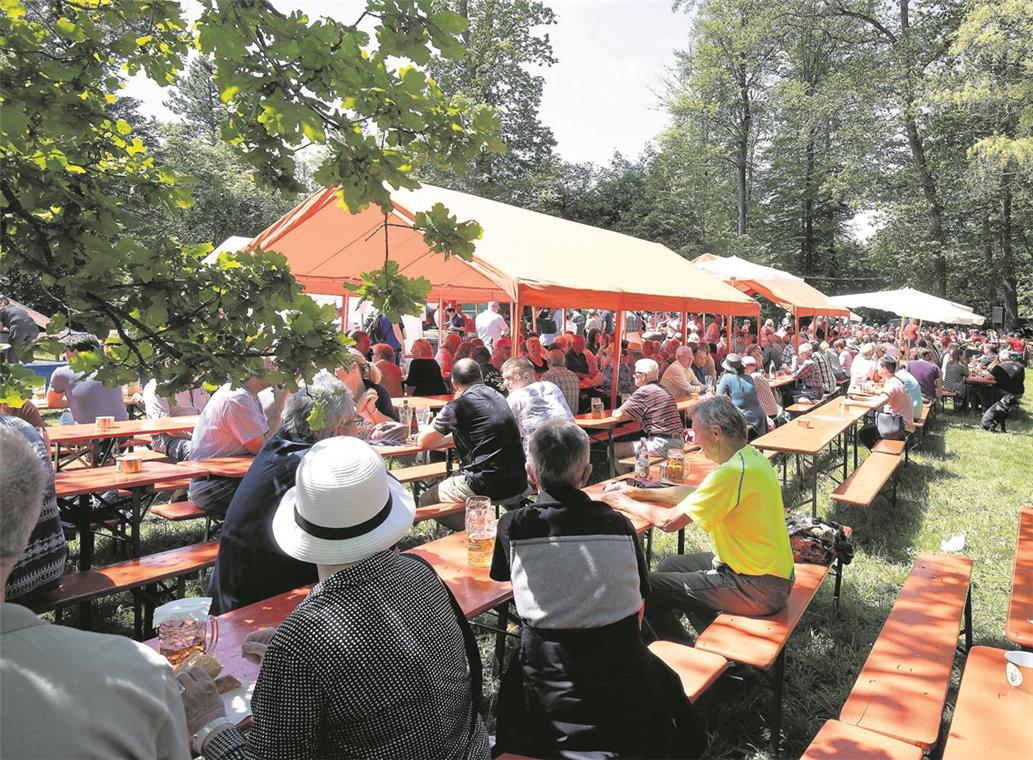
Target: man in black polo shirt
[1009,376]
[486,437]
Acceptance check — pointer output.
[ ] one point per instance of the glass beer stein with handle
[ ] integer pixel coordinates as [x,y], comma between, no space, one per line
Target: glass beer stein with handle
[185,628]
[480,531]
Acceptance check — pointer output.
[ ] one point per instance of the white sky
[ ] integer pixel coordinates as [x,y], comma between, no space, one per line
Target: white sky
[603,93]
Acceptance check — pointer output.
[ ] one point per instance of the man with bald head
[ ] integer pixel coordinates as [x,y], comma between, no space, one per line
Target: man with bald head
[490,325]
[478,421]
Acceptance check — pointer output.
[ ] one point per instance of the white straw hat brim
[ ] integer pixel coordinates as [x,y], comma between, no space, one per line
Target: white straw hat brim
[297,543]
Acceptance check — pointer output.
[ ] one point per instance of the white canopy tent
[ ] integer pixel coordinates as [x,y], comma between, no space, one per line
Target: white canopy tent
[735,268]
[913,304]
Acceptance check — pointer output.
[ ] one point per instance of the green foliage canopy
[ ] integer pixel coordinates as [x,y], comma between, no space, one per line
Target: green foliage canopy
[74,176]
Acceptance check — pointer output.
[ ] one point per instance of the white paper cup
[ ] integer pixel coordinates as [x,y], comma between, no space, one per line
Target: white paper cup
[1018,669]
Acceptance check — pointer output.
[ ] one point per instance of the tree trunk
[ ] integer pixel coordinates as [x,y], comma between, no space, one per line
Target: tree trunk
[935,210]
[1008,278]
[807,241]
[991,265]
[744,148]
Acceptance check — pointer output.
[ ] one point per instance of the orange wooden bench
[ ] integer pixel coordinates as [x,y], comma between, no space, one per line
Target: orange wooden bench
[841,741]
[902,688]
[1019,628]
[433,511]
[417,475]
[760,642]
[141,576]
[865,483]
[696,668]
[187,510]
[179,510]
[618,432]
[923,418]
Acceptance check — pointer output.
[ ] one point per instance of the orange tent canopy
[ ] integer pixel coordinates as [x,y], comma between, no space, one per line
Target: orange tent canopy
[787,291]
[523,257]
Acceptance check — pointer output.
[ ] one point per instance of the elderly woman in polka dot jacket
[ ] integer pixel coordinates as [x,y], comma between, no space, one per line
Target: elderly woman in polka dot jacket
[378,661]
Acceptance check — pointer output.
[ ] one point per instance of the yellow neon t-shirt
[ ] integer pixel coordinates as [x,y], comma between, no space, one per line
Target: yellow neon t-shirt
[739,504]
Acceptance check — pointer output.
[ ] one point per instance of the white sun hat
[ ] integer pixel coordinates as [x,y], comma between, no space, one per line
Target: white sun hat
[344,507]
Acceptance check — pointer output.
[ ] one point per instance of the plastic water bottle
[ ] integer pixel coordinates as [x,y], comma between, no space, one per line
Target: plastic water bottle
[771,371]
[642,460]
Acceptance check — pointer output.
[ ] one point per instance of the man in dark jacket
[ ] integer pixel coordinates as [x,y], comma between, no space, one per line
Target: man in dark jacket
[250,566]
[583,683]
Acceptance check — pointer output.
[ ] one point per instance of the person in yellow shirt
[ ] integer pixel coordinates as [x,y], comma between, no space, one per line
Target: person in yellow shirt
[739,505]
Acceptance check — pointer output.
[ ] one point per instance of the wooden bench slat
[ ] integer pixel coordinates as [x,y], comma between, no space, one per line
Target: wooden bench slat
[171,485]
[1019,628]
[841,741]
[631,427]
[924,416]
[887,446]
[865,483]
[902,688]
[123,576]
[179,510]
[758,641]
[696,668]
[419,472]
[432,511]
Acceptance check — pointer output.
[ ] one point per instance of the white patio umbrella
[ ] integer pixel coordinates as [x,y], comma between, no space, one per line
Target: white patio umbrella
[911,303]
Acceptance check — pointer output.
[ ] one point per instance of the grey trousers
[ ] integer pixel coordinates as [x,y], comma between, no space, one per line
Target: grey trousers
[699,587]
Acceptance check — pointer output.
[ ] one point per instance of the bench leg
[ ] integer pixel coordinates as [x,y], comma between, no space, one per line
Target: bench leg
[85,616]
[500,637]
[681,541]
[814,486]
[649,547]
[778,673]
[968,619]
[838,586]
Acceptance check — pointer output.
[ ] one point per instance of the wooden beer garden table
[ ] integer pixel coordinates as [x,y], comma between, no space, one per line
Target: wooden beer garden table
[474,590]
[607,423]
[991,717]
[223,467]
[431,402]
[89,433]
[795,437]
[74,487]
[43,405]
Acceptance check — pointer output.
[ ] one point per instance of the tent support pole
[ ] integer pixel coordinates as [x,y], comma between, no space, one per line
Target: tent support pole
[563,329]
[731,333]
[534,320]
[684,327]
[618,330]
[439,318]
[517,343]
[344,313]
[796,331]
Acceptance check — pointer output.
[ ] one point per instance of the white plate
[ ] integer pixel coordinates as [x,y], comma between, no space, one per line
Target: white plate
[238,702]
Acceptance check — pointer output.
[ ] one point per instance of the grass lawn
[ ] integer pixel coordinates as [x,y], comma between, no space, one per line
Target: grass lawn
[961,481]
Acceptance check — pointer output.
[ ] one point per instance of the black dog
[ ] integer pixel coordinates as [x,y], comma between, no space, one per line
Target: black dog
[997,414]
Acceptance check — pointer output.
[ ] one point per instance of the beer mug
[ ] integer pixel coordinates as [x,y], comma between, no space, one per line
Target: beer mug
[480,531]
[597,407]
[675,464]
[185,628]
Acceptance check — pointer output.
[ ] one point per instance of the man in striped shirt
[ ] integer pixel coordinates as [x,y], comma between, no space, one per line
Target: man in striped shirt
[654,408]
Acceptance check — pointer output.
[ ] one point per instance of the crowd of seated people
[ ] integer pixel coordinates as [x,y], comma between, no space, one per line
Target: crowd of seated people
[377,643]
